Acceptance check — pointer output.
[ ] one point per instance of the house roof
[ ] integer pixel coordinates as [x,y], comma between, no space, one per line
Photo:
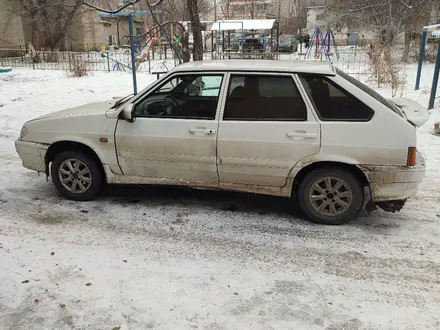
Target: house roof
[245,24]
[259,65]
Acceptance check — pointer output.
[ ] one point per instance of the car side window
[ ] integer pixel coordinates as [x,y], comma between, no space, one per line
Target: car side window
[333,103]
[183,96]
[264,98]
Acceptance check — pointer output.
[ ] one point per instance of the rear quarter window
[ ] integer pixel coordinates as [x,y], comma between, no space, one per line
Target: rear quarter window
[332,102]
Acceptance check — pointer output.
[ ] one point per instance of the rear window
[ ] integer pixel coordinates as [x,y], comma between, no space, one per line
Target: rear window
[369,91]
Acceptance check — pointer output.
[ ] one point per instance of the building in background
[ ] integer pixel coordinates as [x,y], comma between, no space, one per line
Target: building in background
[241,9]
[11,25]
[88,31]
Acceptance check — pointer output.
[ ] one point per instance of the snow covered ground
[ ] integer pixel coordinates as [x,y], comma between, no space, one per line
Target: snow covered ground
[169,258]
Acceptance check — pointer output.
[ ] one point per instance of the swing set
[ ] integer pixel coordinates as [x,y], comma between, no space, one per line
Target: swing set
[322,44]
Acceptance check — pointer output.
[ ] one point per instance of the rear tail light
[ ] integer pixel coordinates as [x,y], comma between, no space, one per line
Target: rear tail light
[412,156]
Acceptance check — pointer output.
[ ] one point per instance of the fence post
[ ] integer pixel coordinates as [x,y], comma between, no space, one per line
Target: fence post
[435,79]
[32,58]
[70,62]
[421,58]
[21,53]
[165,50]
[152,51]
[149,65]
[108,62]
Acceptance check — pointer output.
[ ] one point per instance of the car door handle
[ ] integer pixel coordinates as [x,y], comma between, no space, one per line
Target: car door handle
[302,135]
[202,130]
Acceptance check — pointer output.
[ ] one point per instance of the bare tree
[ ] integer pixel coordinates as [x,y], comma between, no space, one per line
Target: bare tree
[50,20]
[189,10]
[196,29]
[388,18]
[227,9]
[256,8]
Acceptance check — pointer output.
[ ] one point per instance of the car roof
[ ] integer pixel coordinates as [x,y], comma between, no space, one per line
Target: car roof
[324,68]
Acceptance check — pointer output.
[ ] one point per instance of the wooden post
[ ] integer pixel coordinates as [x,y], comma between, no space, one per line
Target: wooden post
[32,58]
[21,53]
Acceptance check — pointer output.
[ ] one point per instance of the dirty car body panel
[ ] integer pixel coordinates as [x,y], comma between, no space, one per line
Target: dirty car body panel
[198,126]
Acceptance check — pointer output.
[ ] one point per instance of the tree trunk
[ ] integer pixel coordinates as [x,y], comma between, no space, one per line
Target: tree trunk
[387,53]
[193,9]
[35,35]
[186,54]
[406,47]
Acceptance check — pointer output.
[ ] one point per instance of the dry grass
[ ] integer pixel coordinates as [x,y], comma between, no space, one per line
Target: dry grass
[79,67]
[386,73]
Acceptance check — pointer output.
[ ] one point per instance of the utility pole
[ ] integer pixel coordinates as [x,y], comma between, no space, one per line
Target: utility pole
[215,10]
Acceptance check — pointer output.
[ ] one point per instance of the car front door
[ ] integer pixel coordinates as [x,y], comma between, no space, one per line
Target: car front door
[173,137]
[266,128]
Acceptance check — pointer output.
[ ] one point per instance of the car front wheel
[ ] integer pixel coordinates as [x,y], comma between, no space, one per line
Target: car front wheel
[331,196]
[76,175]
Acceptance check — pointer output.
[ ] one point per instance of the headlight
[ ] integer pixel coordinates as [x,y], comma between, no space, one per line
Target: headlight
[23,132]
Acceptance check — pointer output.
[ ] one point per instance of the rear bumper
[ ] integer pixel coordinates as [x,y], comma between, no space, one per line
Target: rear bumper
[390,183]
[32,155]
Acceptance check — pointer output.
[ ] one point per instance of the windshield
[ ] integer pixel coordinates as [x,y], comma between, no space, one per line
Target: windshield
[370,92]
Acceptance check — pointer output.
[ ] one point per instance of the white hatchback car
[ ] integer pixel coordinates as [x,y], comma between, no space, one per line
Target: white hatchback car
[280,128]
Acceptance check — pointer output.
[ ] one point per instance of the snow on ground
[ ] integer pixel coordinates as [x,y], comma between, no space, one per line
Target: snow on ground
[169,258]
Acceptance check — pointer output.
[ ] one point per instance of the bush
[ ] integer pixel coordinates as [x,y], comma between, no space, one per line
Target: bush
[430,53]
[36,58]
[79,67]
[386,73]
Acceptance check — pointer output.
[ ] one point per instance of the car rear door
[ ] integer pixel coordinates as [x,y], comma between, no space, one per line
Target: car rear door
[265,129]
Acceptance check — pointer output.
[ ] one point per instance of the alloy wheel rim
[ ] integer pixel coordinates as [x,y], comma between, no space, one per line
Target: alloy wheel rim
[330,196]
[75,176]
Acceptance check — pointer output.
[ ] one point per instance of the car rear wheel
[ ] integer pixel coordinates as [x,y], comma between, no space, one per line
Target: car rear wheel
[76,175]
[330,196]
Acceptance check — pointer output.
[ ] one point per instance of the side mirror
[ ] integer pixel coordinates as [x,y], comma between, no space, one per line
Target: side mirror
[127,112]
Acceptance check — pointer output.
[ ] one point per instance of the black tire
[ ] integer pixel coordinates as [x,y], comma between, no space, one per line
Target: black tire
[351,210]
[96,175]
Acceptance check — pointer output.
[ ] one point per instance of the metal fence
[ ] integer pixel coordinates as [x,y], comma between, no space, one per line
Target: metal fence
[119,60]
[351,59]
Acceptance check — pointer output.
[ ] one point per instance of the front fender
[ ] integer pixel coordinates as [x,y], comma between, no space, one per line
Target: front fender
[105,151]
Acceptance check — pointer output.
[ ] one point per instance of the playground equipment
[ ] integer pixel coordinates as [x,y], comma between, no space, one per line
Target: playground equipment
[328,40]
[321,45]
[145,49]
[426,29]
[4,70]
[130,28]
